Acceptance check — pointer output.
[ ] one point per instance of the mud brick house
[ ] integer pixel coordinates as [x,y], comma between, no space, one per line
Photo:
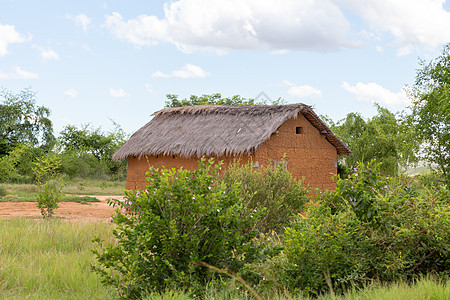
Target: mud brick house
[260,134]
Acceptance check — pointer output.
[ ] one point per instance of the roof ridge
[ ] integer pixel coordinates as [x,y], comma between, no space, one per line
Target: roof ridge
[227,109]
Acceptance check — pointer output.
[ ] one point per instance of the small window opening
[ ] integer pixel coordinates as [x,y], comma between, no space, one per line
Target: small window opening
[173,156]
[299,130]
[156,156]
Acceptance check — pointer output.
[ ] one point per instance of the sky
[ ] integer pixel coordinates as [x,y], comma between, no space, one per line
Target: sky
[94,62]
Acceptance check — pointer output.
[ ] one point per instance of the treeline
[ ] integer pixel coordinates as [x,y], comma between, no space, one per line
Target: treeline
[27,135]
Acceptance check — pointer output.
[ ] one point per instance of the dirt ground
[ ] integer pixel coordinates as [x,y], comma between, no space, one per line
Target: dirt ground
[70,211]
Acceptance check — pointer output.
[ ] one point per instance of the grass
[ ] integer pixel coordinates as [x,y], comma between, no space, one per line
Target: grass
[50,260]
[79,199]
[15,192]
[425,288]
[94,187]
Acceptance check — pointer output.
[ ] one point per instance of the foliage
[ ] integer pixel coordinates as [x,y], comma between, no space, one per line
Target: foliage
[88,150]
[50,189]
[3,191]
[16,166]
[424,288]
[45,167]
[83,165]
[270,190]
[386,138]
[79,199]
[431,110]
[48,196]
[23,122]
[350,238]
[214,99]
[182,219]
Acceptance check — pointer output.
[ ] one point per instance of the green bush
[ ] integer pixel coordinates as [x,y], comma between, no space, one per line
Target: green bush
[82,164]
[48,196]
[3,191]
[367,229]
[182,219]
[271,190]
[16,166]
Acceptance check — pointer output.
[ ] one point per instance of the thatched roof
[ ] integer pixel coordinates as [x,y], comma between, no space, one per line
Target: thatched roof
[217,130]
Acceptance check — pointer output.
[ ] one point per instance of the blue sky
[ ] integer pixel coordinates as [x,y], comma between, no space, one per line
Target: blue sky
[92,61]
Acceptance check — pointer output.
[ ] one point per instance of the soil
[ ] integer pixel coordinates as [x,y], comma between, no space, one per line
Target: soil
[69,211]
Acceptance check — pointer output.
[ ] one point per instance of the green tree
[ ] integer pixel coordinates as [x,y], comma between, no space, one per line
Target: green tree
[86,141]
[23,122]
[385,137]
[214,99]
[431,110]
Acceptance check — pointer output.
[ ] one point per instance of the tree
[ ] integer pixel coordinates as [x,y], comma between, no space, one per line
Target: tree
[23,122]
[431,110]
[214,99]
[386,138]
[93,142]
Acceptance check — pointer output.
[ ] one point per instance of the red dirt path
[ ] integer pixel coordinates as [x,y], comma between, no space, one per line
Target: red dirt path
[70,211]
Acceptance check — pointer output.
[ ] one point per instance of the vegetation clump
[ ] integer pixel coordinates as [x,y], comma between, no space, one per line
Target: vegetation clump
[167,233]
[369,229]
[50,187]
[272,190]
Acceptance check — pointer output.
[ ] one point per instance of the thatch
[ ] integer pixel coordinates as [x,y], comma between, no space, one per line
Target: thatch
[216,130]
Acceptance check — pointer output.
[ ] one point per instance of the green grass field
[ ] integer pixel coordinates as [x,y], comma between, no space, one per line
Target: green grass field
[425,288]
[52,260]
[27,192]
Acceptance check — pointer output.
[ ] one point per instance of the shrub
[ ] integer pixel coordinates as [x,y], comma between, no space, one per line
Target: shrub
[164,233]
[367,229]
[50,189]
[3,191]
[48,196]
[16,166]
[272,190]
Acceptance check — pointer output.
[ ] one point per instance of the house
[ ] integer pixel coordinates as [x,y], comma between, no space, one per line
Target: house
[262,134]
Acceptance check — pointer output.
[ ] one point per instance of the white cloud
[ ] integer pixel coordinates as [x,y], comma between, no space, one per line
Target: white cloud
[287,83]
[190,71]
[81,20]
[9,35]
[403,51]
[47,53]
[239,24]
[19,74]
[149,88]
[158,74]
[187,71]
[71,92]
[302,91]
[412,23]
[375,93]
[288,24]
[118,93]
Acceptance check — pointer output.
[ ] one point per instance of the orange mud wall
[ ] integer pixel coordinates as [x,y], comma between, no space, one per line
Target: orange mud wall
[308,154]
